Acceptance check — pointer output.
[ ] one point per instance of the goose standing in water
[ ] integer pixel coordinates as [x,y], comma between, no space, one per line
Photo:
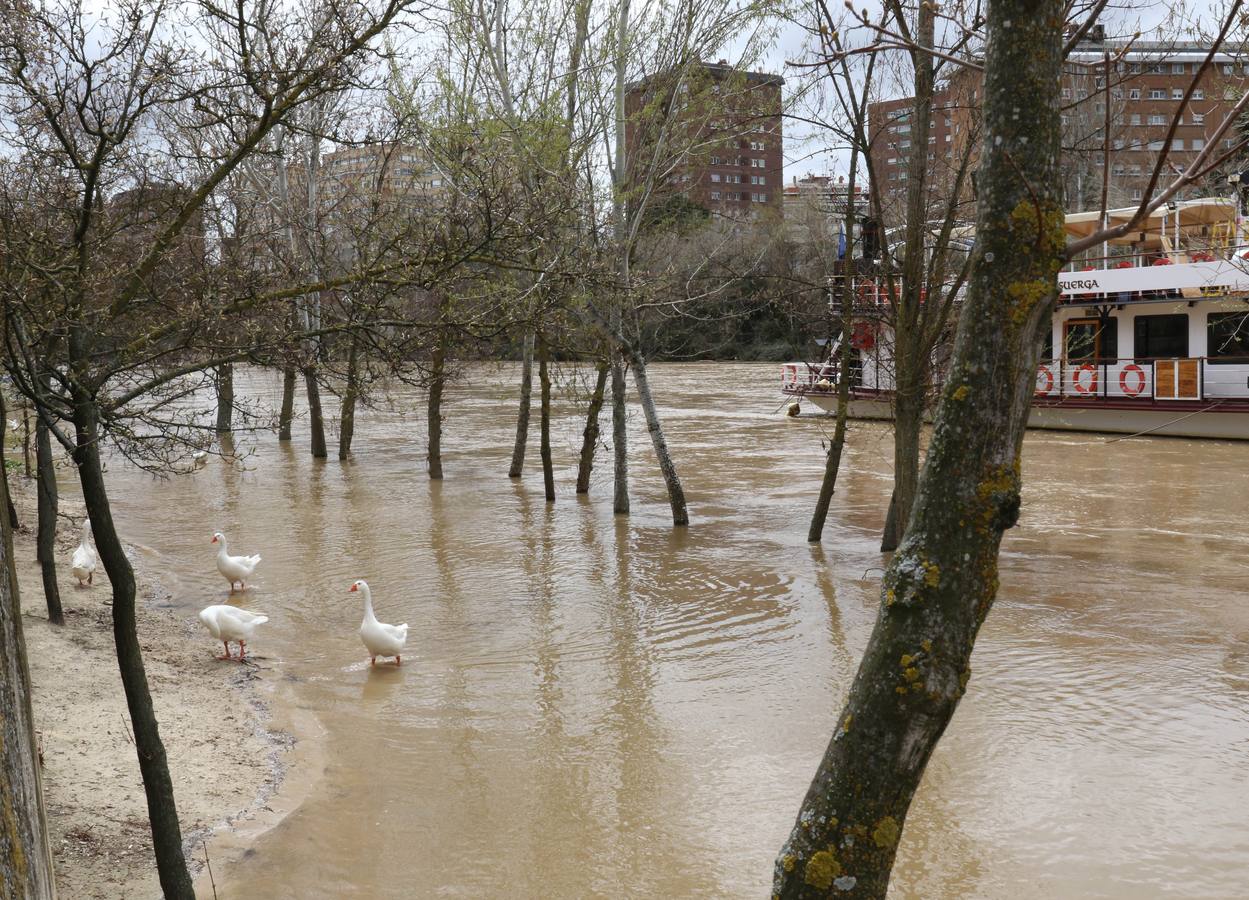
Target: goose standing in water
[379,638]
[234,568]
[85,558]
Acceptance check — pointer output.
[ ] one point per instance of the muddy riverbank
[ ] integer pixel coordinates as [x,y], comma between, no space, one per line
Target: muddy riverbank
[225,754]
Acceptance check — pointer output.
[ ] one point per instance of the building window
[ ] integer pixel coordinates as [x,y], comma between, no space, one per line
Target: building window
[758,179]
[759,198]
[1199,143]
[1177,143]
[1157,119]
[1157,94]
[1134,94]
[715,160]
[1177,94]
[759,163]
[904,145]
[1229,69]
[892,161]
[1066,93]
[715,195]
[715,176]
[1157,69]
[947,138]
[1136,118]
[1227,337]
[1199,94]
[1160,336]
[1116,93]
[1120,143]
[1199,118]
[1178,68]
[1155,145]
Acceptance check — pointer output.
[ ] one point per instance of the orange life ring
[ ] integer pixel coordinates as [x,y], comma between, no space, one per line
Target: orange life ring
[1075,379]
[1123,380]
[1049,380]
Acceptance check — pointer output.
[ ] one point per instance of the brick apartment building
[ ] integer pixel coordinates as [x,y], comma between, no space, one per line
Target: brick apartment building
[726,150]
[1143,88]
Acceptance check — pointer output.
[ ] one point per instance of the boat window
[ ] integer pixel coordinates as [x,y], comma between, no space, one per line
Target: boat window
[1227,337]
[1161,336]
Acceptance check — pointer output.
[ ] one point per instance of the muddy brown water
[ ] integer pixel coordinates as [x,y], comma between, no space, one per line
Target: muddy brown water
[596,706]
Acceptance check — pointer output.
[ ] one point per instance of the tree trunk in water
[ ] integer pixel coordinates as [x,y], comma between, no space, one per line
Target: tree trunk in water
[25,853]
[45,473]
[911,323]
[315,417]
[225,398]
[544,381]
[351,394]
[522,417]
[175,880]
[287,415]
[438,372]
[589,437]
[908,425]
[942,581]
[832,462]
[619,436]
[676,494]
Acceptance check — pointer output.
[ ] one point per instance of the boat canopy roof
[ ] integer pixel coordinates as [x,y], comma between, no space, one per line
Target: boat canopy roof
[1192,215]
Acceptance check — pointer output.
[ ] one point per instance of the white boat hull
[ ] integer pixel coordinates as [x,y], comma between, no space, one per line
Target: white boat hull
[1152,421]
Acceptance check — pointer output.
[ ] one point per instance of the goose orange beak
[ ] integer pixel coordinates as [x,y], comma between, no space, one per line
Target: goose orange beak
[213,541]
[351,589]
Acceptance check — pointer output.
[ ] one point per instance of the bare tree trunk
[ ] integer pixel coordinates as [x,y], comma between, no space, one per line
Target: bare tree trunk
[25,440]
[175,880]
[832,462]
[25,853]
[287,414]
[942,581]
[676,494]
[619,436]
[544,381]
[589,437]
[911,342]
[315,418]
[351,395]
[45,549]
[522,417]
[437,382]
[225,398]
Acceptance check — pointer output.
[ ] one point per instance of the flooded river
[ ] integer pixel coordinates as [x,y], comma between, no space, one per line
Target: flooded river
[600,707]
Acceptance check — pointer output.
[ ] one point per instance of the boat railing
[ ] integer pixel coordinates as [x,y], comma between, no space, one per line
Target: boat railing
[1144,379]
[1161,257]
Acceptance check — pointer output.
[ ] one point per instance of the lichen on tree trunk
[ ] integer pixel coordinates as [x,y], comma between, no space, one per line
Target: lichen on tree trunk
[942,581]
[676,493]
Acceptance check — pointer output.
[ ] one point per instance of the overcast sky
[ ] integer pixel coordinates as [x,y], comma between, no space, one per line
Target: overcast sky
[810,149]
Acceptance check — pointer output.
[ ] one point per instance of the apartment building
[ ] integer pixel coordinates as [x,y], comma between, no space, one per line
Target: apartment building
[815,208]
[1117,99]
[716,133]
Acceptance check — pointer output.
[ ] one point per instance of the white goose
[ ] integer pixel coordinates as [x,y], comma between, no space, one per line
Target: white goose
[379,638]
[85,558]
[229,623]
[234,568]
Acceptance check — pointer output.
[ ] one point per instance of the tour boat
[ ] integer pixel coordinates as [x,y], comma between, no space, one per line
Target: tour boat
[1150,337]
